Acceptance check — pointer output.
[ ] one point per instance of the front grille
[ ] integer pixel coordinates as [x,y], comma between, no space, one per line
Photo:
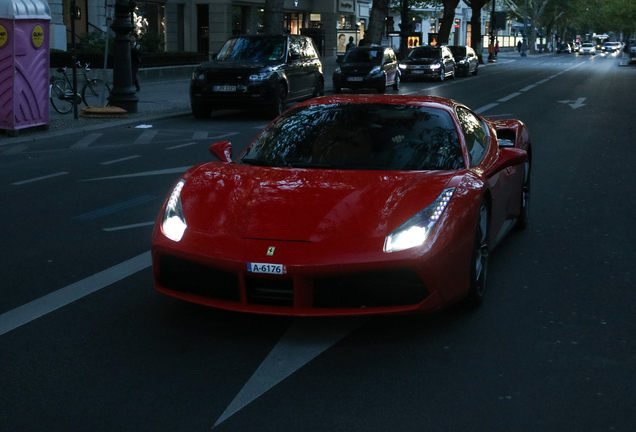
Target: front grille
[271,292]
[189,277]
[225,77]
[399,287]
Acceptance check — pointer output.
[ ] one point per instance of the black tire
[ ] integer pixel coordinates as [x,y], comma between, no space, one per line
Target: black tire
[524,215]
[319,90]
[201,112]
[279,104]
[475,71]
[452,74]
[442,75]
[93,91]
[61,96]
[396,84]
[479,259]
[382,87]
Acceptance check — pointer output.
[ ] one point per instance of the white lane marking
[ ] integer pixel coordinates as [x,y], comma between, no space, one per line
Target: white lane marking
[179,170]
[510,96]
[15,150]
[124,227]
[259,127]
[115,208]
[44,305]
[181,145]
[528,88]
[86,141]
[39,178]
[199,135]
[145,137]
[120,160]
[486,108]
[303,341]
[575,104]
[543,81]
[224,135]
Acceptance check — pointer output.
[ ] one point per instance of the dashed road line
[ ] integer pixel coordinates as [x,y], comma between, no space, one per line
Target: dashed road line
[44,305]
[120,160]
[510,96]
[86,141]
[125,227]
[39,178]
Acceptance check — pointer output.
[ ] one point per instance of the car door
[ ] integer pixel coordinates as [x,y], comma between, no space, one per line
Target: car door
[448,60]
[390,66]
[294,70]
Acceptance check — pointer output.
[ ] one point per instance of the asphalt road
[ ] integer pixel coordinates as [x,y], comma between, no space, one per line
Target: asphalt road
[86,343]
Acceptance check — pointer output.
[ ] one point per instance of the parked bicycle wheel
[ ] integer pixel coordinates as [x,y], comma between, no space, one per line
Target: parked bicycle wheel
[93,91]
[61,96]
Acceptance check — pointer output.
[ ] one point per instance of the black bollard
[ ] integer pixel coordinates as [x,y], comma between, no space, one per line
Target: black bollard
[123,94]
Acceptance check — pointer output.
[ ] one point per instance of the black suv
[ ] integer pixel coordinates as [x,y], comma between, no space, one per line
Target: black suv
[367,67]
[262,71]
[428,61]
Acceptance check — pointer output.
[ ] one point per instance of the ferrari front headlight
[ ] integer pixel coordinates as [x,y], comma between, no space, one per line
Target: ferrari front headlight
[173,224]
[413,232]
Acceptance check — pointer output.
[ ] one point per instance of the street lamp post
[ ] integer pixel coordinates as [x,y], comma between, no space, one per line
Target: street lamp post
[491,47]
[123,94]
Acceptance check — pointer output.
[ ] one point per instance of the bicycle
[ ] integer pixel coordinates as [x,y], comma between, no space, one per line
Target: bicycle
[61,91]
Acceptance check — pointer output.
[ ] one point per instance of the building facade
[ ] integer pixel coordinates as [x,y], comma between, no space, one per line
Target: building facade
[204,25]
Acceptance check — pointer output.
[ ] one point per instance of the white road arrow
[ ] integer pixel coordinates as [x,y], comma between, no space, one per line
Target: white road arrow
[575,104]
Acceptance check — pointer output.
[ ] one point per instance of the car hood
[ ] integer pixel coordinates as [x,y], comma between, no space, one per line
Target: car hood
[423,61]
[239,64]
[357,67]
[304,204]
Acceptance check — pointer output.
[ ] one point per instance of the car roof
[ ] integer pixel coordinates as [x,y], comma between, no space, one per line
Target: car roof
[414,100]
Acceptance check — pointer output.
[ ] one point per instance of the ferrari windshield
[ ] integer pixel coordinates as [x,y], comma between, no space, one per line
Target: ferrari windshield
[255,48]
[359,136]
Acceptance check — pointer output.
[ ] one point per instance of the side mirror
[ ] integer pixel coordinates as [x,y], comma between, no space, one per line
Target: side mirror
[294,56]
[508,156]
[222,150]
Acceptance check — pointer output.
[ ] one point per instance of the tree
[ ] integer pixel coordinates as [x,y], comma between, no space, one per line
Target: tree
[475,25]
[274,17]
[448,20]
[379,12]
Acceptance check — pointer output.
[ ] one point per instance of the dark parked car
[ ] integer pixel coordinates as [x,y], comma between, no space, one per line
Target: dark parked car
[367,67]
[428,62]
[260,71]
[564,48]
[466,60]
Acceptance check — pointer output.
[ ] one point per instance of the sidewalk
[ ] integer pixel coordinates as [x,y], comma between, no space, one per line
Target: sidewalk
[159,99]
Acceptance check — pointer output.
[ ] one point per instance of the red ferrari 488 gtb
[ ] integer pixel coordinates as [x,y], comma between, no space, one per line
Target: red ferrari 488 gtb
[346,205]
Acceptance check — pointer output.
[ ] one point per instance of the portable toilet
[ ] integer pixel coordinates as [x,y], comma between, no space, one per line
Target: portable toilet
[24,64]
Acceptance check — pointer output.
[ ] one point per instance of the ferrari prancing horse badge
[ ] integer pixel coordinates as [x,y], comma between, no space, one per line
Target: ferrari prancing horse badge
[270,251]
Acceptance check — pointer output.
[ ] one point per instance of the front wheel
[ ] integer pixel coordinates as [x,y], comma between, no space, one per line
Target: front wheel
[200,112]
[319,90]
[396,83]
[61,96]
[95,93]
[280,101]
[382,87]
[442,74]
[479,260]
[475,71]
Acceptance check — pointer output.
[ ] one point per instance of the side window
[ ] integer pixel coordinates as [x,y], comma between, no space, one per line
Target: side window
[295,47]
[475,135]
[308,49]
